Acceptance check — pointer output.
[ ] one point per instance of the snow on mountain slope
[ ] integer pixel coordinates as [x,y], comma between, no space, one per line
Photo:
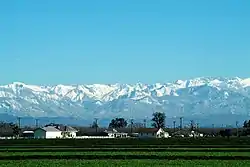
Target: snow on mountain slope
[199,96]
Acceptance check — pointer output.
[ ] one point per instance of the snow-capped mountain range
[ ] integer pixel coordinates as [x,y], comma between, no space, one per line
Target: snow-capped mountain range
[199,97]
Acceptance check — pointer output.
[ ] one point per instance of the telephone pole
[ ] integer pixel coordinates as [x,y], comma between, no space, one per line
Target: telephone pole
[131,125]
[174,122]
[36,123]
[237,128]
[213,128]
[181,119]
[145,123]
[192,125]
[96,124]
[19,122]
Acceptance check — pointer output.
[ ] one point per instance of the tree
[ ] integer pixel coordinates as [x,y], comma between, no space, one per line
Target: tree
[95,125]
[158,120]
[246,124]
[192,125]
[118,123]
[226,133]
[16,130]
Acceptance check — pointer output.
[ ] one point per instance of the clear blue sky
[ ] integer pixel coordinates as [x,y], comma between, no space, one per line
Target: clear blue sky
[127,41]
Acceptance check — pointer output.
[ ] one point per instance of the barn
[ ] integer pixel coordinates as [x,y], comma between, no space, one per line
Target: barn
[48,132]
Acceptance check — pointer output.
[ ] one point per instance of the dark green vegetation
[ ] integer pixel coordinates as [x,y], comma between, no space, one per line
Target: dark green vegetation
[119,143]
[126,152]
[127,163]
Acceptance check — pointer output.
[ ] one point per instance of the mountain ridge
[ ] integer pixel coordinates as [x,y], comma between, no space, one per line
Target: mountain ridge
[199,97]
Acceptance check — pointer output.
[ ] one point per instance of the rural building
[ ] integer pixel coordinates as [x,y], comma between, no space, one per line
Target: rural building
[55,131]
[101,133]
[114,133]
[152,133]
[28,134]
[48,132]
[67,131]
[187,133]
[195,134]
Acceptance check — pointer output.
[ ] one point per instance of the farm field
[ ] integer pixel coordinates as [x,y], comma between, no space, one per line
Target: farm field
[91,143]
[125,152]
[110,154]
[73,149]
[122,163]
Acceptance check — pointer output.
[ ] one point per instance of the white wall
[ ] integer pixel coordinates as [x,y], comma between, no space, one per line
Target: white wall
[53,135]
[73,134]
[161,133]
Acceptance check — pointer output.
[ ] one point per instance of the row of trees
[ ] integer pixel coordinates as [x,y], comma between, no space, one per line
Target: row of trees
[158,121]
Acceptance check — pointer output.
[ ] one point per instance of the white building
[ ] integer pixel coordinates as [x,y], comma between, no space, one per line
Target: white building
[55,131]
[152,133]
[48,132]
[195,134]
[68,132]
[115,134]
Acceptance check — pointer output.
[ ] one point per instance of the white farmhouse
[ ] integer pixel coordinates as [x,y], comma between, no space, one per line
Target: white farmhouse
[55,131]
[48,132]
[152,133]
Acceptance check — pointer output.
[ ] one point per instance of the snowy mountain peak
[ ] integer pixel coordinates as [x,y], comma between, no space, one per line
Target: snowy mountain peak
[199,96]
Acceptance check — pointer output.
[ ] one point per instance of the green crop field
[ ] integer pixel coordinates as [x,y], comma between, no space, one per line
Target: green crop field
[123,163]
[89,143]
[2,154]
[125,152]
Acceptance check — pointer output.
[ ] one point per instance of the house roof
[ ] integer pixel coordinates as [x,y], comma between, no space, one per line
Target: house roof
[146,130]
[28,132]
[182,132]
[66,128]
[111,131]
[50,129]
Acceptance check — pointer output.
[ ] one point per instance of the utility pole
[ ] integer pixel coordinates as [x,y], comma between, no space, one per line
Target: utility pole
[19,122]
[145,123]
[36,123]
[131,125]
[174,125]
[181,119]
[237,127]
[213,128]
[19,125]
[96,124]
[192,125]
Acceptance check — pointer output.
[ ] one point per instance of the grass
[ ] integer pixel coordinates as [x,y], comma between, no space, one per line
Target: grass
[128,153]
[122,163]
